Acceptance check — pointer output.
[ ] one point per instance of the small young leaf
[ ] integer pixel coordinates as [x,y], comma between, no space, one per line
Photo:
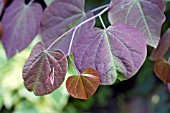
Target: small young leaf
[44,70]
[162,48]
[162,70]
[54,23]
[21,24]
[146,15]
[118,51]
[84,85]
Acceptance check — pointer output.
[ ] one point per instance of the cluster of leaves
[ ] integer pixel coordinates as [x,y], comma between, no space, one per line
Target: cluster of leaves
[162,66]
[101,55]
[13,95]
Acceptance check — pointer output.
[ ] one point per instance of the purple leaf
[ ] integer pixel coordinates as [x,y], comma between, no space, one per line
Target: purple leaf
[118,51]
[146,15]
[44,70]
[162,48]
[56,22]
[1,6]
[21,24]
[160,4]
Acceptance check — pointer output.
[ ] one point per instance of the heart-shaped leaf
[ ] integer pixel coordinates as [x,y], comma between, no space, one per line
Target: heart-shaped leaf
[69,13]
[146,15]
[119,50]
[163,46]
[162,70]
[21,24]
[85,85]
[44,70]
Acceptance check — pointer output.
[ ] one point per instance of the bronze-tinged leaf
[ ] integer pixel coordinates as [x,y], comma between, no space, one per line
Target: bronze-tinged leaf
[44,71]
[1,30]
[163,47]
[84,85]
[162,70]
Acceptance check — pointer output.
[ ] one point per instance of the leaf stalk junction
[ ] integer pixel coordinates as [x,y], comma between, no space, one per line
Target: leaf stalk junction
[74,29]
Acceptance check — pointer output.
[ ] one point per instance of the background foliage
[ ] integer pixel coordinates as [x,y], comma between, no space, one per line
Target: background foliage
[143,93]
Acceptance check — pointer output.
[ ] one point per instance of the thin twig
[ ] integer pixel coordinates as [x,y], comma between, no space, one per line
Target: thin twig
[74,64]
[30,3]
[101,20]
[71,42]
[59,38]
[95,16]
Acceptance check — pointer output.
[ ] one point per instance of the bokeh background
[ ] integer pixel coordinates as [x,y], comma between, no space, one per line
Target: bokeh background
[143,93]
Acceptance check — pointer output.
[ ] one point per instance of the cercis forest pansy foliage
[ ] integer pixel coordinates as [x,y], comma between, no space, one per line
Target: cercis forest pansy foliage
[101,55]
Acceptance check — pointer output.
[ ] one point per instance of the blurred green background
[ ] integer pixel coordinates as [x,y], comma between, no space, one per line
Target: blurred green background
[143,93]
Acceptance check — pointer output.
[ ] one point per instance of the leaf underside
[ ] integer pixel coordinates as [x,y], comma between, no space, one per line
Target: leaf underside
[54,23]
[162,70]
[42,65]
[119,51]
[85,85]
[21,24]
[146,15]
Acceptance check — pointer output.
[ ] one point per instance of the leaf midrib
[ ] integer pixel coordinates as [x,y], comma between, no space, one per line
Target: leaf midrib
[21,15]
[111,54]
[143,16]
[38,74]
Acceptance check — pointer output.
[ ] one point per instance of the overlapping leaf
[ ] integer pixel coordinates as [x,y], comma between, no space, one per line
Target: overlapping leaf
[85,85]
[118,51]
[146,15]
[162,70]
[56,22]
[1,6]
[162,48]
[21,24]
[44,70]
